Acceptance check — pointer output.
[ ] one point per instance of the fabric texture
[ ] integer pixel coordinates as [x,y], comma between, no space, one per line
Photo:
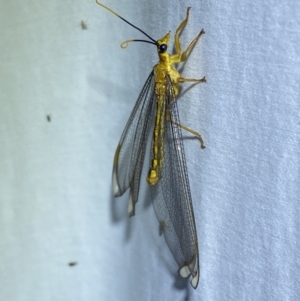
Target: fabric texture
[66,93]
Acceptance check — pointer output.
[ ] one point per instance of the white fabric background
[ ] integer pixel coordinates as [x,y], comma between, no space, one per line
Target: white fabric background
[55,177]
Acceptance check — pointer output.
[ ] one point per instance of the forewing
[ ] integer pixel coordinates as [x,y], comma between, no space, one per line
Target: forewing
[172,197]
[130,153]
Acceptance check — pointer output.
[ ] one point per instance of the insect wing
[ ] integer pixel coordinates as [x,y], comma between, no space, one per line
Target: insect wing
[130,153]
[172,197]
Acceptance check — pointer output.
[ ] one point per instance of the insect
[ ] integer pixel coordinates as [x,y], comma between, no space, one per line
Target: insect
[49,118]
[156,111]
[83,25]
[72,263]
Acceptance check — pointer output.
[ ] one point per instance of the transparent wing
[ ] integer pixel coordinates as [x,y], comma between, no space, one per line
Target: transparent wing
[130,153]
[172,197]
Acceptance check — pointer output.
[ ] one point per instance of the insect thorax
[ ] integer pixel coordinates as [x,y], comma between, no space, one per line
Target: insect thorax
[163,75]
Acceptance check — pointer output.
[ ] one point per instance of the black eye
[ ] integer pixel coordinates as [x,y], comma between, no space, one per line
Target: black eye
[163,48]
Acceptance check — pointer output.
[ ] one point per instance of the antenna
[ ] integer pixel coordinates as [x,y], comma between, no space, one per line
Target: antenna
[125,43]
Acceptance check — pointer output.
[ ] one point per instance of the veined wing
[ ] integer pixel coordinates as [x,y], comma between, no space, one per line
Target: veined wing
[172,197]
[130,153]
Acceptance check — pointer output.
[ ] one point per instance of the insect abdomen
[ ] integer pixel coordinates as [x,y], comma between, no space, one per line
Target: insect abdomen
[158,136]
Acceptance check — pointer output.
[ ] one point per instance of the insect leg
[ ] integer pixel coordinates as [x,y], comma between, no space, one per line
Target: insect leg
[199,80]
[187,129]
[178,30]
[191,46]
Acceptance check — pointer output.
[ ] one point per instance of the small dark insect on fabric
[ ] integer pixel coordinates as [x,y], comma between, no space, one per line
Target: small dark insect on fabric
[83,25]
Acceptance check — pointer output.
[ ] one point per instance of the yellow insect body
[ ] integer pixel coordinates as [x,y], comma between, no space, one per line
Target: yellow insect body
[162,71]
[167,176]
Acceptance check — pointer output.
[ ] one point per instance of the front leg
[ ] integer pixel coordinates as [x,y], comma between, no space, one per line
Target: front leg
[191,46]
[178,30]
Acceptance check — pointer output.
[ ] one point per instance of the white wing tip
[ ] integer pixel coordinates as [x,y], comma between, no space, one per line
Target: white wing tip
[130,205]
[115,185]
[195,280]
[184,272]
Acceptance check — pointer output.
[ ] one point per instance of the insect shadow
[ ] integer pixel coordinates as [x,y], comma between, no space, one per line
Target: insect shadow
[119,210]
[119,206]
